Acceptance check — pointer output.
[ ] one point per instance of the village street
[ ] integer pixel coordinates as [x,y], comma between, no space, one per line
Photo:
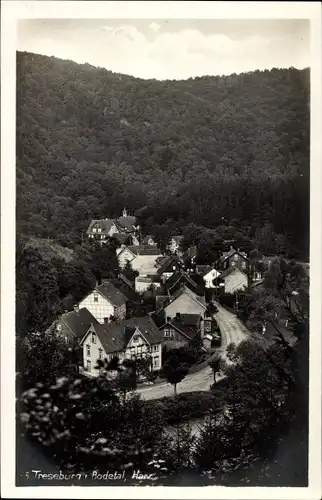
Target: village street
[232,330]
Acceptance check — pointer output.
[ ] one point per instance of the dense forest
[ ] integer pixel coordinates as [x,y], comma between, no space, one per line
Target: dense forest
[230,150]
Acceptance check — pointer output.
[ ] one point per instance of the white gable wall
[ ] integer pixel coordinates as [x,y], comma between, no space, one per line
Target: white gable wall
[100,309]
[184,304]
[209,277]
[235,281]
[125,256]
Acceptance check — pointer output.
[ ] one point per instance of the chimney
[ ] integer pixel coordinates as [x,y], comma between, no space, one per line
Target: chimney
[178,315]
[168,319]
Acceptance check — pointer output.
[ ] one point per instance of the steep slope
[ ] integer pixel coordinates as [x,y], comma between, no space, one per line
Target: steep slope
[90,141]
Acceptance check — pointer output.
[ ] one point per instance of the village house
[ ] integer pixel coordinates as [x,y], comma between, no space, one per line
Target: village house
[167,266]
[174,244]
[209,275]
[233,258]
[234,280]
[185,301]
[129,339]
[105,302]
[144,283]
[180,330]
[176,280]
[188,259]
[102,229]
[141,257]
[73,325]
[149,240]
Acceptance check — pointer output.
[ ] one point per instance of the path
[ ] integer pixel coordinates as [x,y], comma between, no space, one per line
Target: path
[232,330]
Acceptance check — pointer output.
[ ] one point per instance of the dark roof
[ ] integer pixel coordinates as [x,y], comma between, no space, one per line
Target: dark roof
[127,222]
[204,269]
[78,322]
[168,263]
[158,317]
[105,224]
[111,336]
[177,277]
[147,327]
[114,337]
[230,253]
[230,270]
[128,292]
[126,281]
[144,250]
[179,323]
[161,301]
[122,238]
[111,293]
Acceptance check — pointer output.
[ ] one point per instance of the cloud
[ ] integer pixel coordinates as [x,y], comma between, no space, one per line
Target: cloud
[176,54]
[154,27]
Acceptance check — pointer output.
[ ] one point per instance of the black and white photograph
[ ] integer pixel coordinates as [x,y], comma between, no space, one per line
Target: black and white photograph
[162,248]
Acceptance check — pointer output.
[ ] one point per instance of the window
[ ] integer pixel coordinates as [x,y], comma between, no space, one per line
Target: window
[88,350]
[236,256]
[243,264]
[233,263]
[100,353]
[166,333]
[135,339]
[93,338]
[156,362]
[94,229]
[95,297]
[58,327]
[88,366]
[99,230]
[156,348]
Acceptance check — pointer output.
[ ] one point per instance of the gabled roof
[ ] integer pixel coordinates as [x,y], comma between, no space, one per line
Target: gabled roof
[105,224]
[127,222]
[115,337]
[230,270]
[126,281]
[147,327]
[122,238]
[168,263]
[230,253]
[112,294]
[190,293]
[187,326]
[177,277]
[78,322]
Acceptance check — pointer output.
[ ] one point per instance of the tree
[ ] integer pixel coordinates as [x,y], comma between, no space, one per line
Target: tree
[129,272]
[217,364]
[174,370]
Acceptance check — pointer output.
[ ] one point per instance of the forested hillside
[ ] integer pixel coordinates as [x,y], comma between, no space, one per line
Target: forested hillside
[204,150]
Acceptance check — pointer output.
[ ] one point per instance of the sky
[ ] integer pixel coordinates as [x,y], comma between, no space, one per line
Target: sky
[173,48]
